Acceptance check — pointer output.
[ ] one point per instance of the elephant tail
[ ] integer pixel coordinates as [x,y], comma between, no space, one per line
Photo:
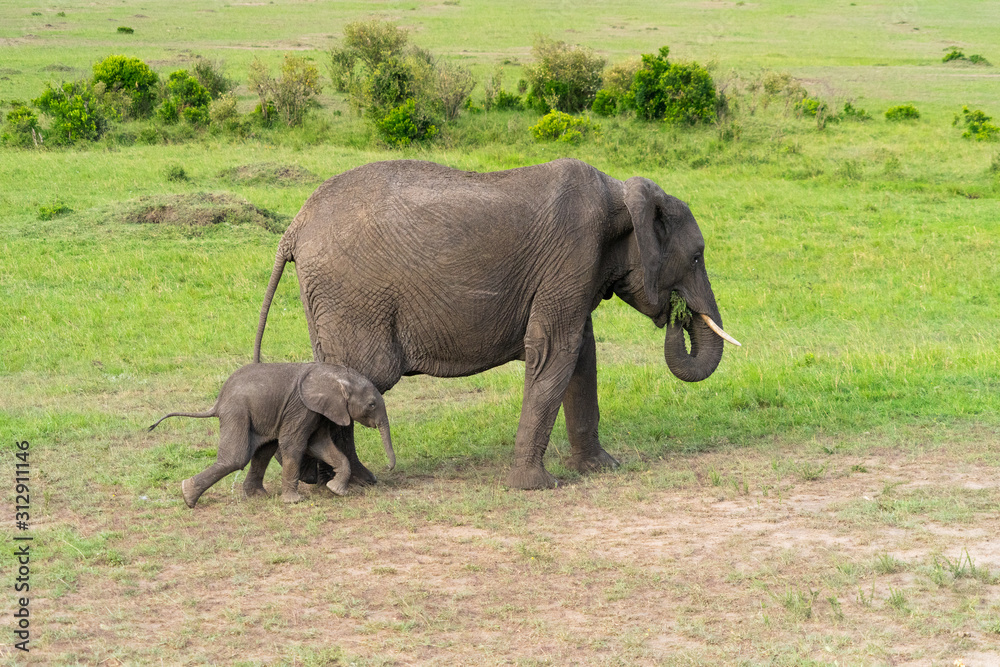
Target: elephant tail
[200,415]
[281,258]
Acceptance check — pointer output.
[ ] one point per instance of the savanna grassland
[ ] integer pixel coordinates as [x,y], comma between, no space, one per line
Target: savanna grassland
[828,496]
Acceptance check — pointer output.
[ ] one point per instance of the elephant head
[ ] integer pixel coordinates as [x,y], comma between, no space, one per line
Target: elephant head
[670,252]
[343,396]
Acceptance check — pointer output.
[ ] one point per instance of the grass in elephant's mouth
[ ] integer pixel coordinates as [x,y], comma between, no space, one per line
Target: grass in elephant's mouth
[710,557]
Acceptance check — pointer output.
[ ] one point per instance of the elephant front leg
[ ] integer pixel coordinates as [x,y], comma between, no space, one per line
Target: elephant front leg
[292,451]
[582,412]
[548,368]
[321,446]
[343,438]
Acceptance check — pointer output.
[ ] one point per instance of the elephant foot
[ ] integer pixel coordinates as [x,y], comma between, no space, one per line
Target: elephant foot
[338,486]
[255,492]
[190,498]
[361,475]
[592,461]
[530,477]
[291,497]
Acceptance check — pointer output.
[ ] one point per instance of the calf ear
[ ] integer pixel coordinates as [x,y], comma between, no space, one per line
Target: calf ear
[642,198]
[323,392]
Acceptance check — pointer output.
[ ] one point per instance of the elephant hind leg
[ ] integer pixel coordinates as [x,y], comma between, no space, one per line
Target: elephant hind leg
[234,454]
[193,487]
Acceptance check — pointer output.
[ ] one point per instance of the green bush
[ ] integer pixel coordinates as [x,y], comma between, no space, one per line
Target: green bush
[210,75]
[374,42]
[562,77]
[559,126]
[22,128]
[341,67]
[187,90]
[611,99]
[851,112]
[196,115]
[902,112]
[386,87]
[977,125]
[808,106]
[368,43]
[76,114]
[132,78]
[605,103]
[453,85]
[674,92]
[381,71]
[505,101]
[955,53]
[495,97]
[186,98]
[223,111]
[404,125]
[291,95]
[125,30]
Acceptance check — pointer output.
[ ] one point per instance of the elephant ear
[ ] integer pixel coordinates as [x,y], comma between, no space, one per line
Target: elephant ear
[642,198]
[323,392]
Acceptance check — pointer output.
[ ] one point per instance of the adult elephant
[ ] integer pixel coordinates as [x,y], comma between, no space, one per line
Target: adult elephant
[409,267]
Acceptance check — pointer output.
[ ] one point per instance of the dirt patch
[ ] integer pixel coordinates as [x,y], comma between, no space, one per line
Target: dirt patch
[611,569]
[200,210]
[58,67]
[269,173]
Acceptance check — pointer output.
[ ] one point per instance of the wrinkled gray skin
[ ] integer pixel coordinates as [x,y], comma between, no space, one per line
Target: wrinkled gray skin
[267,407]
[410,267]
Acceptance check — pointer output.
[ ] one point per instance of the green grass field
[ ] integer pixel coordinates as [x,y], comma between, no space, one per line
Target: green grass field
[828,496]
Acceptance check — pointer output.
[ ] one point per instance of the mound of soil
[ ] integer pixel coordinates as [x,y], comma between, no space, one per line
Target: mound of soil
[269,173]
[201,210]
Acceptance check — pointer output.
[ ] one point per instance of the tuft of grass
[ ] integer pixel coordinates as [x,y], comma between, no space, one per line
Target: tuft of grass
[798,603]
[54,210]
[897,600]
[125,30]
[888,564]
[902,112]
[176,173]
[810,472]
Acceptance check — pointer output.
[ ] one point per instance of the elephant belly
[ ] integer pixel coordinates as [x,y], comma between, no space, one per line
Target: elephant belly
[458,341]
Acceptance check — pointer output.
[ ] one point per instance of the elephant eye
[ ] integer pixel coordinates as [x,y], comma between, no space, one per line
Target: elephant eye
[697,259]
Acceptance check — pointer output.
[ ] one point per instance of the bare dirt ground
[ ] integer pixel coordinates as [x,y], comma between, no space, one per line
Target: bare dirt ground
[742,557]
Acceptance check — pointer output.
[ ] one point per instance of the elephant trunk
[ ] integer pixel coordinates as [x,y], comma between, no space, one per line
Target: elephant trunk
[706,348]
[383,429]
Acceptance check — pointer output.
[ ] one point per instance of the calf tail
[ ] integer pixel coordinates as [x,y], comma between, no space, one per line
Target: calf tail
[200,415]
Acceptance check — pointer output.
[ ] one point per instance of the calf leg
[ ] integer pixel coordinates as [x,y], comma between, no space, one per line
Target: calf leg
[253,485]
[321,446]
[234,454]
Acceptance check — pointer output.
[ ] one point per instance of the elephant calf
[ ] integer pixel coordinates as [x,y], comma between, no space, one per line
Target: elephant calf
[264,408]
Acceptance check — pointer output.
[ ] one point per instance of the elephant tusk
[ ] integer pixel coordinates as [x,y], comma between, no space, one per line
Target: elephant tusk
[717,329]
